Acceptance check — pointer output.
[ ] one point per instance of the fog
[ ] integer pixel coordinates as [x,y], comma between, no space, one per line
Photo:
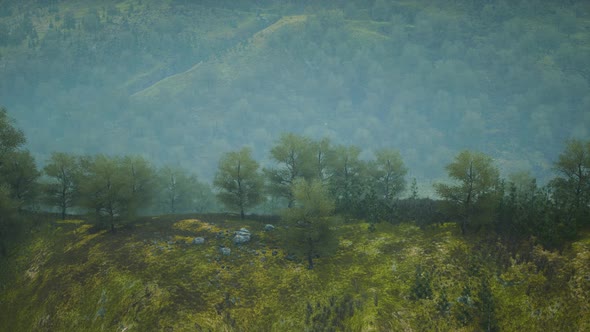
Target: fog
[294,165]
[182,83]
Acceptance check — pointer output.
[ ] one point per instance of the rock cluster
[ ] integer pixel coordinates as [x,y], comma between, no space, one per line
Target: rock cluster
[242,236]
[198,240]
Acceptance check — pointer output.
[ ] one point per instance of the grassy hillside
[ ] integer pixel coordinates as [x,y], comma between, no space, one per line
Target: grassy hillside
[150,277]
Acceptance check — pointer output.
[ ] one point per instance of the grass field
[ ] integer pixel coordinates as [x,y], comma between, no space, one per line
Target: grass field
[149,276]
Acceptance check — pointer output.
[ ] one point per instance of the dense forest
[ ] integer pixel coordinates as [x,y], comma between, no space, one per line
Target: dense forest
[377,165]
[184,82]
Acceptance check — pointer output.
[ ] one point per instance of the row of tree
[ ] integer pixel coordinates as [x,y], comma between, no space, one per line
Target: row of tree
[119,188]
[351,181]
[312,178]
[315,179]
[112,188]
[519,207]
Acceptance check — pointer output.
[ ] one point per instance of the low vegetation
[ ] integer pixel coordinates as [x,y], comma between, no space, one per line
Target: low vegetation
[150,276]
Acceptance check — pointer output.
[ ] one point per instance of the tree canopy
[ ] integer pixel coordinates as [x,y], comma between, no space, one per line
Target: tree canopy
[239,181]
[310,234]
[62,189]
[472,197]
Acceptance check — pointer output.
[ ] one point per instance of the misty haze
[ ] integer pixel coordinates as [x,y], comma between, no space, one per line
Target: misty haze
[294,165]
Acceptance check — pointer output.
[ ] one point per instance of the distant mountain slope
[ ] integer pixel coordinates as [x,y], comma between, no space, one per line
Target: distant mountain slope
[185,82]
[174,84]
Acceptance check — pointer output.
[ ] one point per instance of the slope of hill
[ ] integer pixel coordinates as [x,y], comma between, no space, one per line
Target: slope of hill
[172,86]
[185,82]
[152,277]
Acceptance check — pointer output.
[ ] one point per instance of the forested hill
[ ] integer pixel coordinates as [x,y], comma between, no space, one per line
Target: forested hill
[183,81]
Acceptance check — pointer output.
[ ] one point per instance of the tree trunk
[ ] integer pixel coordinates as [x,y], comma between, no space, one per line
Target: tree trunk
[3,250]
[464,226]
[242,213]
[112,215]
[63,213]
[310,254]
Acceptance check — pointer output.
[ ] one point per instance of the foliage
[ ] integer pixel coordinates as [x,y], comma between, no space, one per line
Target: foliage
[346,178]
[295,159]
[473,198]
[572,185]
[486,307]
[375,73]
[333,315]
[11,138]
[104,187]
[19,172]
[389,173]
[421,288]
[62,191]
[151,277]
[310,233]
[17,177]
[142,181]
[180,191]
[239,180]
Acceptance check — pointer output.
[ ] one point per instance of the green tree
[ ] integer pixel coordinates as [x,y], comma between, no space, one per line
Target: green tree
[518,206]
[572,185]
[11,138]
[7,210]
[486,306]
[309,233]
[239,181]
[323,153]
[389,174]
[142,182]
[179,190]
[414,189]
[473,196]
[204,198]
[347,182]
[295,158]
[20,173]
[61,191]
[104,188]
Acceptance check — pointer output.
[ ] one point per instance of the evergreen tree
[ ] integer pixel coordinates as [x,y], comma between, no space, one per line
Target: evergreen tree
[486,307]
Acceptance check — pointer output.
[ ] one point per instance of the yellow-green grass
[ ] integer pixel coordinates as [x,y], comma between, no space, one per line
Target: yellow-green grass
[150,277]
